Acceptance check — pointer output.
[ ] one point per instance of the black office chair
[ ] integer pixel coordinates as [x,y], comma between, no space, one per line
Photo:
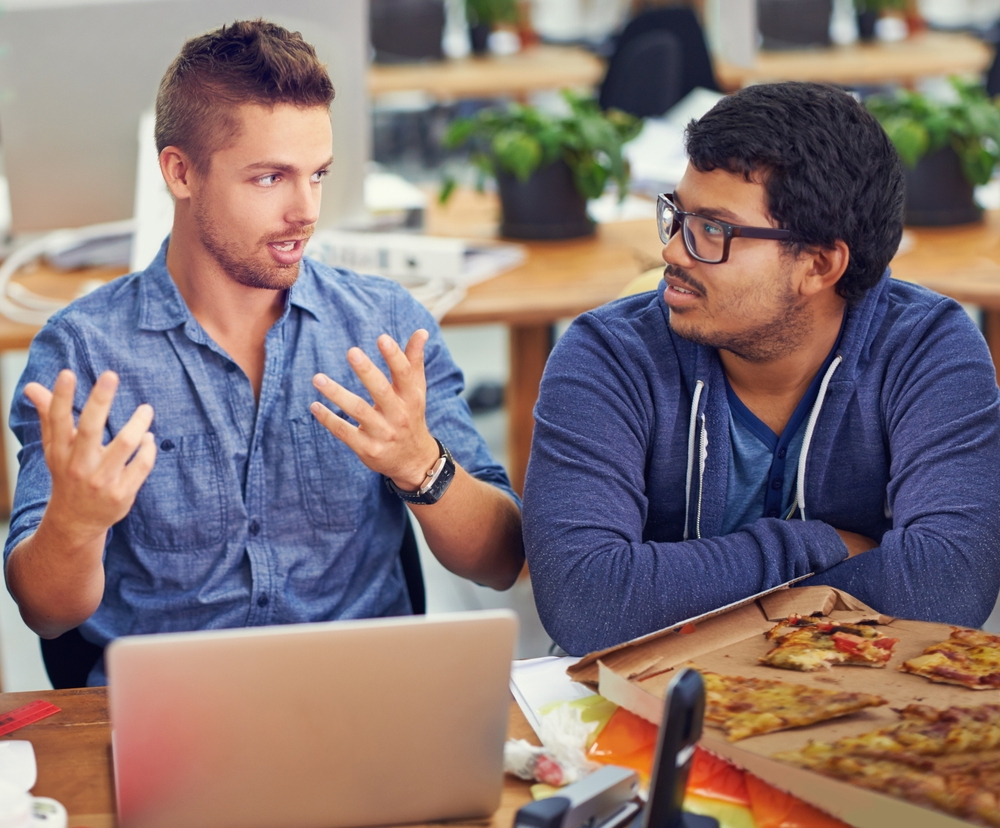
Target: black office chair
[644,75]
[70,657]
[681,22]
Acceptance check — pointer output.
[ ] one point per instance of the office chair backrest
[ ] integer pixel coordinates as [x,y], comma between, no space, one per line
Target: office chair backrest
[644,75]
[70,657]
[681,22]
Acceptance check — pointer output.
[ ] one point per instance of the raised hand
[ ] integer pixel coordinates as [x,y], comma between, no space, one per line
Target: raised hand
[391,436]
[93,485]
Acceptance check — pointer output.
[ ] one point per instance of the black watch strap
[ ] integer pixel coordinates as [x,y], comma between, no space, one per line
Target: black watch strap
[435,484]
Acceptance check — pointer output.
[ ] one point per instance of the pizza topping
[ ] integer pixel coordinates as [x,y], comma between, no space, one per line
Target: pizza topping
[970,658]
[745,707]
[809,644]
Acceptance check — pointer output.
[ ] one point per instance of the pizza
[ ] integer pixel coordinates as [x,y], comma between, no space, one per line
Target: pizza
[810,644]
[970,658]
[948,759]
[744,707]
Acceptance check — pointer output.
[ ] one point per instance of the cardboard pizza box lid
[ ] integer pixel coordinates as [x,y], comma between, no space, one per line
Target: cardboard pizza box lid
[642,655]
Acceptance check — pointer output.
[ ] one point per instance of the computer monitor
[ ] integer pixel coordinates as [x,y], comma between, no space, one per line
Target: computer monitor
[76,75]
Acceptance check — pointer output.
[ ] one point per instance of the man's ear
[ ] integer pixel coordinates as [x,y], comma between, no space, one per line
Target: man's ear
[824,267]
[176,169]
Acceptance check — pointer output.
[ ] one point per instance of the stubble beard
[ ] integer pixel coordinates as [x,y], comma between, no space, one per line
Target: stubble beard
[784,333]
[242,269]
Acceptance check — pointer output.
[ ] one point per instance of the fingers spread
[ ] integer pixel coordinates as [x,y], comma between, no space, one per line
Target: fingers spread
[374,380]
[400,366]
[60,414]
[138,469]
[339,428]
[95,412]
[127,440]
[350,403]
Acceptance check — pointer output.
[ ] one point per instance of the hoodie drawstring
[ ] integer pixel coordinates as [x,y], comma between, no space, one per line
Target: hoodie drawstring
[692,430]
[800,484]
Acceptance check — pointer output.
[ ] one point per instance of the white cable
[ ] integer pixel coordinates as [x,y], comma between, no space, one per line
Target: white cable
[23,305]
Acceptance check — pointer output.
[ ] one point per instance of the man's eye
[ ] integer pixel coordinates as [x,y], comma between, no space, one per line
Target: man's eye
[319,176]
[710,229]
[268,180]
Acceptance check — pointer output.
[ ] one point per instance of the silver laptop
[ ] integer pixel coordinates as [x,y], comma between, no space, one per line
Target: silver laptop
[346,723]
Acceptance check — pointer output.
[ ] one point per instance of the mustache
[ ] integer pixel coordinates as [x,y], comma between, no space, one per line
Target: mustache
[683,276]
[304,233]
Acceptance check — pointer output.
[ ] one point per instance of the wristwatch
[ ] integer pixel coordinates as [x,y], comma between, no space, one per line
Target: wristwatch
[435,484]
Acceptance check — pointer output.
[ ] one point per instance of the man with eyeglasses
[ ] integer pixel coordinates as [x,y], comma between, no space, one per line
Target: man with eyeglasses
[778,407]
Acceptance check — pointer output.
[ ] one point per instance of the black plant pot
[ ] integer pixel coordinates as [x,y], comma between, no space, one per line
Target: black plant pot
[937,192]
[403,31]
[866,25]
[479,37]
[794,24]
[546,206]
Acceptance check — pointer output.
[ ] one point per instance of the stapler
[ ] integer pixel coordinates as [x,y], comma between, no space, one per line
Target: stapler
[608,798]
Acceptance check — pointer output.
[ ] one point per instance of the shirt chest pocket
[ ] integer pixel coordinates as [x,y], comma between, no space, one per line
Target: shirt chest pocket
[334,484]
[180,507]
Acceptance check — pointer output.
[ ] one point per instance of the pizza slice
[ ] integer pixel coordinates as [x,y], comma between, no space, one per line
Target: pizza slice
[948,759]
[809,644]
[969,658]
[744,707]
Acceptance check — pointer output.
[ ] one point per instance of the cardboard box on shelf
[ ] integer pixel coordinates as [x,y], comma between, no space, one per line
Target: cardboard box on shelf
[730,641]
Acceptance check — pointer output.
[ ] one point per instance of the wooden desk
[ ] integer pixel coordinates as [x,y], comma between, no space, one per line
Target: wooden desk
[530,70]
[921,56]
[73,749]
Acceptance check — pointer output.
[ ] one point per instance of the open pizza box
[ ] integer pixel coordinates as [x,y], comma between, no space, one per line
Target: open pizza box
[729,641]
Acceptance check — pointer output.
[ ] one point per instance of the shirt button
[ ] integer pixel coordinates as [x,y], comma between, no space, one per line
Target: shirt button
[777,483]
[231,367]
[262,600]
[254,527]
[167,445]
[782,453]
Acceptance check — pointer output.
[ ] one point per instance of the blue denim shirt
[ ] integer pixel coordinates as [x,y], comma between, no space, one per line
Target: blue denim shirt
[253,514]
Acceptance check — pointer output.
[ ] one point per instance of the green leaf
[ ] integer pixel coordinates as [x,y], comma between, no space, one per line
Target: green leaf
[447,188]
[911,139]
[520,139]
[517,152]
[590,178]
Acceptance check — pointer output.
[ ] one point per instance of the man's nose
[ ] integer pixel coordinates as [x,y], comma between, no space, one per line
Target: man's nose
[304,206]
[675,251]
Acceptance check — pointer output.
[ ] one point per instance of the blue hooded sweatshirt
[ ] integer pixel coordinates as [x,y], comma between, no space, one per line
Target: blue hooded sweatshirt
[626,486]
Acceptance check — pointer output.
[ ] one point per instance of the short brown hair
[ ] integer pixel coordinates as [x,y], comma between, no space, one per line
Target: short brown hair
[249,62]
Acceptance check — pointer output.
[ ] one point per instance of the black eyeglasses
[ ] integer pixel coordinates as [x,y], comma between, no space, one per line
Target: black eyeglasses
[705,239]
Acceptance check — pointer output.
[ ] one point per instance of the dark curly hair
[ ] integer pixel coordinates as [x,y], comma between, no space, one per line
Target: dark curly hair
[247,62]
[829,170]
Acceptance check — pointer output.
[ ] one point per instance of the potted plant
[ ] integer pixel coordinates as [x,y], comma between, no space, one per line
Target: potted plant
[869,11]
[546,166]
[483,15]
[948,147]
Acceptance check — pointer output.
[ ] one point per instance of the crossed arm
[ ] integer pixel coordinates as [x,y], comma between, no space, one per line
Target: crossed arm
[56,574]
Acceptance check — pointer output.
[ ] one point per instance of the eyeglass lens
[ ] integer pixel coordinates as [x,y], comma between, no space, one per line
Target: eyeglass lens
[703,238]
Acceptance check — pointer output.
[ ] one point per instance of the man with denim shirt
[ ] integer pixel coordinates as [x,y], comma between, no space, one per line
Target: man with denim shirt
[254,503]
